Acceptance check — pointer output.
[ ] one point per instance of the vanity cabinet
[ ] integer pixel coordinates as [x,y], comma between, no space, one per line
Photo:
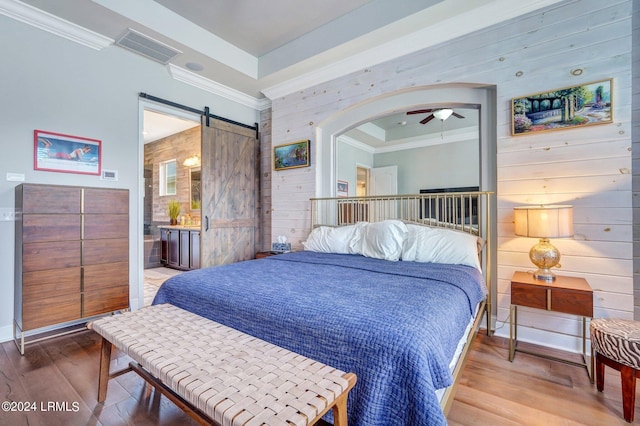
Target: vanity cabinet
[170,245]
[180,247]
[71,254]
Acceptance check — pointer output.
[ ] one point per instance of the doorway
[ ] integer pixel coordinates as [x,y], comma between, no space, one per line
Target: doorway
[157,122]
[362,181]
[171,154]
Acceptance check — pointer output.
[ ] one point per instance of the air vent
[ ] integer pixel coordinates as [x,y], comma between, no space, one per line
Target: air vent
[146,46]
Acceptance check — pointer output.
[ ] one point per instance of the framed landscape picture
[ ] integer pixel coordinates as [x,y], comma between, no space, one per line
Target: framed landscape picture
[291,155]
[56,152]
[567,107]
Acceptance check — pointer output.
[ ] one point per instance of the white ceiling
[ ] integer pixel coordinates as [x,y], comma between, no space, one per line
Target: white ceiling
[253,48]
[279,23]
[247,49]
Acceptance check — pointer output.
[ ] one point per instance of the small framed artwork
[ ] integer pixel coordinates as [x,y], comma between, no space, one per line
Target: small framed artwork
[56,152]
[564,108]
[342,189]
[291,155]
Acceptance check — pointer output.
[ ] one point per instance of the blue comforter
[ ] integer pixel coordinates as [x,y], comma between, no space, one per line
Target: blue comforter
[394,324]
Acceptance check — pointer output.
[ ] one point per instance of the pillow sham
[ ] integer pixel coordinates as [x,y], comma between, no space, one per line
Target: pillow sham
[384,240]
[343,240]
[440,245]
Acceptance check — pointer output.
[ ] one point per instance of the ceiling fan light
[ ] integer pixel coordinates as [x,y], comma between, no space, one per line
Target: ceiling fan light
[443,114]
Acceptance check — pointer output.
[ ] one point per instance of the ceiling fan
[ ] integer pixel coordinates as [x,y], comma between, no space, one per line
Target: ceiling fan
[439,113]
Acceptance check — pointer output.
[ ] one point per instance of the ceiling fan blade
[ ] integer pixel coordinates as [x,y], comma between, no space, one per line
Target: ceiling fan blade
[428,119]
[455,114]
[419,111]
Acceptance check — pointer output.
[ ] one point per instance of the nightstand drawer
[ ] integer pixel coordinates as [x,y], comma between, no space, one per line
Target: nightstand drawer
[569,295]
[564,300]
[574,302]
[528,295]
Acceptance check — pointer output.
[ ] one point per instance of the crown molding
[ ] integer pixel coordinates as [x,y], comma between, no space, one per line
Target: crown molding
[45,21]
[356,144]
[193,79]
[446,137]
[446,29]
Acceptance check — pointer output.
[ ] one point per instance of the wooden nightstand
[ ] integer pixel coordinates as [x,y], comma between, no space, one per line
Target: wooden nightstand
[263,254]
[570,295]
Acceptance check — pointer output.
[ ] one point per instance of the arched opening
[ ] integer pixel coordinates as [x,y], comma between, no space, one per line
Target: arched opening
[461,95]
[454,95]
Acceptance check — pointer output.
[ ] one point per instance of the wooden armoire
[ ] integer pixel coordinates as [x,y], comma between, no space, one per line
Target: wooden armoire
[71,255]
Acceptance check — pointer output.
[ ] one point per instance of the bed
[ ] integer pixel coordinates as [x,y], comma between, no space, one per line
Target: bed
[363,297]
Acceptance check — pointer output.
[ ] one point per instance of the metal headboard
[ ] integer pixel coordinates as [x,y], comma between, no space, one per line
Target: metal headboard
[464,211]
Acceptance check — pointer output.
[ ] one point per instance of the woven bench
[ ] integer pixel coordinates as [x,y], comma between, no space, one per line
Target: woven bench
[219,375]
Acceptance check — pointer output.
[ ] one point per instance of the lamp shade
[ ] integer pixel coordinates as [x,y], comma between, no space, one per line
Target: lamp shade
[544,221]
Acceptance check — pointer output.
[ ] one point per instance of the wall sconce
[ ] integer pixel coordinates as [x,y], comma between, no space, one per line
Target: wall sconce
[192,161]
[544,222]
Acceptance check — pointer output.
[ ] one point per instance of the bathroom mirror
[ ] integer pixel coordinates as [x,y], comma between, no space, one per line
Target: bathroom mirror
[195,176]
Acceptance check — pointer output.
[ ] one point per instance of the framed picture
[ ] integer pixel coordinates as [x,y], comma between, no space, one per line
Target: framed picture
[56,152]
[291,155]
[342,189]
[564,108]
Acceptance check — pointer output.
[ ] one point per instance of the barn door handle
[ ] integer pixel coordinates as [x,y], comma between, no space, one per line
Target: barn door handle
[206,223]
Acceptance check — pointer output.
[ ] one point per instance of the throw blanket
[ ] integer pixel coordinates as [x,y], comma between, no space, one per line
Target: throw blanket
[394,324]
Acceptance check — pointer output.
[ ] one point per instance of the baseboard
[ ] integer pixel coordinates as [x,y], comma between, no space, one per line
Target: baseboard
[546,338]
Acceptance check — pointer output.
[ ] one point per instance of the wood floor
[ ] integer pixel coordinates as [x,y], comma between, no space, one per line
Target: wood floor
[492,390]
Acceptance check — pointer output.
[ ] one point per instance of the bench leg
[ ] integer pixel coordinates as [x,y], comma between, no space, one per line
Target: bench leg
[599,372]
[628,376]
[339,408]
[103,377]
[628,381]
[340,411]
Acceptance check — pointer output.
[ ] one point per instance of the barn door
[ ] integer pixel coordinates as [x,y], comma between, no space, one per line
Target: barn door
[229,193]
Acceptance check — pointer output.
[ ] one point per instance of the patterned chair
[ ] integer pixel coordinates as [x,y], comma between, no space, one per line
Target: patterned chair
[616,343]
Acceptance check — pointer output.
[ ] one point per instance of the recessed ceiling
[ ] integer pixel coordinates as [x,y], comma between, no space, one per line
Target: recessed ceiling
[257,48]
[401,129]
[279,23]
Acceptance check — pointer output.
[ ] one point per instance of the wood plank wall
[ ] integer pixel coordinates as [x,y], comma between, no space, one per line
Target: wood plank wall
[266,165]
[635,132]
[589,168]
[175,147]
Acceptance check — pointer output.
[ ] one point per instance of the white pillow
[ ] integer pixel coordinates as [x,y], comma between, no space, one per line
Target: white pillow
[343,239]
[439,245]
[384,240]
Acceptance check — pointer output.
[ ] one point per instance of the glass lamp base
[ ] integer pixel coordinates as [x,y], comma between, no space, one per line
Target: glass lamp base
[545,256]
[544,275]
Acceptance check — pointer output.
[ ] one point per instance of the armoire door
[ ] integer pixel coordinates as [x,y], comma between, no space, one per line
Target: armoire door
[230,167]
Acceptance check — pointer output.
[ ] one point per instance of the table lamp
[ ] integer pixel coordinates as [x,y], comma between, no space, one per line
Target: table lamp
[544,222]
